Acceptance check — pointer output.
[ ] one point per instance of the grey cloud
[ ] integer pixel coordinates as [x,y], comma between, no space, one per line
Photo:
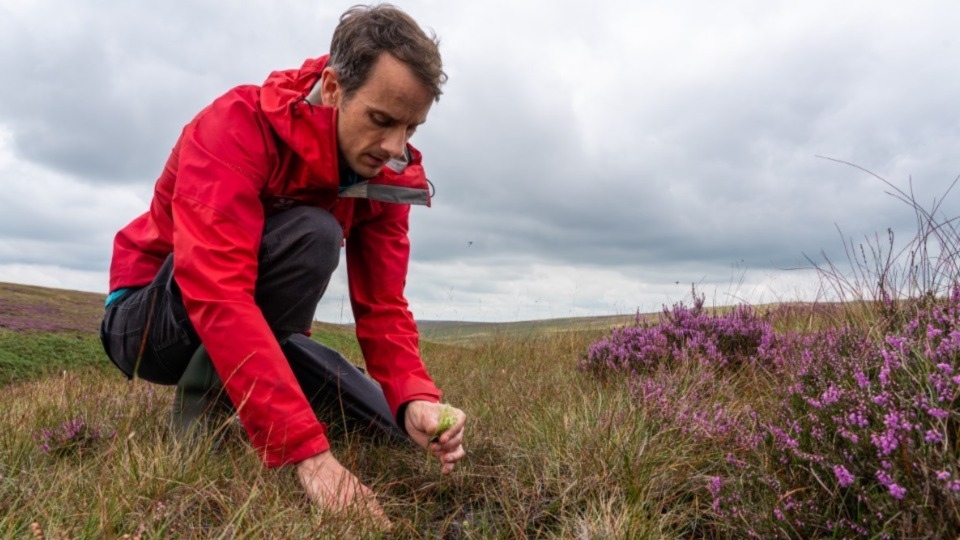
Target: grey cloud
[721,170]
[103,89]
[671,144]
[87,256]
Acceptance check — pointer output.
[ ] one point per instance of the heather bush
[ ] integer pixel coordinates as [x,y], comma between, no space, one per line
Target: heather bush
[844,423]
[71,437]
[833,432]
[865,439]
[700,375]
[683,334]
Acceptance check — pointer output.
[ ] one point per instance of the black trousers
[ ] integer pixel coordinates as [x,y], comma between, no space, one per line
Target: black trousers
[147,333]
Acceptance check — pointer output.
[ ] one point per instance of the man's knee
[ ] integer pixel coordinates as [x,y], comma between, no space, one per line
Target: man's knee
[302,239]
[323,236]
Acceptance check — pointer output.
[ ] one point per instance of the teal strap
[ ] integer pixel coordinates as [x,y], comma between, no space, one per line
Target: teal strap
[116,295]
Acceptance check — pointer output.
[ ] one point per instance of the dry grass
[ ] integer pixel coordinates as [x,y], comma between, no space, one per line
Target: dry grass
[552,454]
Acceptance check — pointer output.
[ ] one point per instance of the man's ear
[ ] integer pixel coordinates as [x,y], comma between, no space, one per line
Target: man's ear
[330,91]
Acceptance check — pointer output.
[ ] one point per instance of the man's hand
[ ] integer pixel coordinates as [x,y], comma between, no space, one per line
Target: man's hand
[422,420]
[331,486]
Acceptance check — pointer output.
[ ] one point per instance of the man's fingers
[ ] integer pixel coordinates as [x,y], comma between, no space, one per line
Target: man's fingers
[447,445]
[352,496]
[332,487]
[366,502]
[458,424]
[379,516]
[450,459]
[455,432]
[454,440]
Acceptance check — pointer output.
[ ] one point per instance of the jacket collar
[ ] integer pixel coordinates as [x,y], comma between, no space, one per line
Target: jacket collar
[310,131]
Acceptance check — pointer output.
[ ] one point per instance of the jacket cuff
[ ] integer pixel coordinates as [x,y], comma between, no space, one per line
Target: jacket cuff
[302,452]
[295,447]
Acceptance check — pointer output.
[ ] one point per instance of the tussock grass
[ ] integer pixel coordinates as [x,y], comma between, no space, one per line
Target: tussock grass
[552,454]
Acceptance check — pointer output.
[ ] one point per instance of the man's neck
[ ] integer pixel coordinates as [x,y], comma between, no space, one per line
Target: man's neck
[348,177]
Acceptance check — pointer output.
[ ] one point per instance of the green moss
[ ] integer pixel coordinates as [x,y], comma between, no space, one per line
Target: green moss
[447,420]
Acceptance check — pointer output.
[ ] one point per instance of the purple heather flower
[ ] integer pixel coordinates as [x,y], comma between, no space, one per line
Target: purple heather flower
[857,419]
[884,375]
[886,442]
[715,485]
[843,475]
[831,396]
[884,478]
[849,435]
[896,491]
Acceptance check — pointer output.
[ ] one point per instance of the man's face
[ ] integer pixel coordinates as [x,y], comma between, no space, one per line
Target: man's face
[376,121]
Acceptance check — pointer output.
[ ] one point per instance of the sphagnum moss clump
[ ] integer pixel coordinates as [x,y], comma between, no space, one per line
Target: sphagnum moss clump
[447,420]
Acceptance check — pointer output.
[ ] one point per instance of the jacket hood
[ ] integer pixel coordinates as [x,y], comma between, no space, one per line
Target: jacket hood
[310,131]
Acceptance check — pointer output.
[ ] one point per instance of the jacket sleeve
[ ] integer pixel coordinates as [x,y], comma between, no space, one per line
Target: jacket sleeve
[378,253]
[218,223]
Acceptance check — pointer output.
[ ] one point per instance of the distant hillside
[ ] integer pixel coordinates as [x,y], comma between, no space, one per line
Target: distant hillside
[463,332]
[45,331]
[27,307]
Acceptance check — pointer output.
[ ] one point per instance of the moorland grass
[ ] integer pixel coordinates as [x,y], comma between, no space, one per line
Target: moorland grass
[552,454]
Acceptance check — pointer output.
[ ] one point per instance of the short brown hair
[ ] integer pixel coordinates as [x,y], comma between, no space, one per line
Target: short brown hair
[365,32]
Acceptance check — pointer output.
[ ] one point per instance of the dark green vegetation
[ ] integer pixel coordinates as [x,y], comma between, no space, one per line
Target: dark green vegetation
[44,331]
[26,356]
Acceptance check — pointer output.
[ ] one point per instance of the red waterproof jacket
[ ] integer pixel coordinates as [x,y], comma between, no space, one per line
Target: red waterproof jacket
[255,151]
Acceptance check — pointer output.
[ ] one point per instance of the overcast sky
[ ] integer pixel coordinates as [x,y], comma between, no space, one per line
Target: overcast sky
[589,157]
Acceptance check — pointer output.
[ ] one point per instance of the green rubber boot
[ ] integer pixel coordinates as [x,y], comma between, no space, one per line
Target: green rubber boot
[199,394]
